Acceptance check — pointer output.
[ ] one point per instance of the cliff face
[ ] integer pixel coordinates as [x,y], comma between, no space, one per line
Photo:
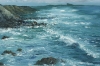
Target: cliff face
[17,10]
[7,18]
[10,15]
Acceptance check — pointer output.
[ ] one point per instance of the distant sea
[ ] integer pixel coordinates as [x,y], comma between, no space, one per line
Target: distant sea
[72,34]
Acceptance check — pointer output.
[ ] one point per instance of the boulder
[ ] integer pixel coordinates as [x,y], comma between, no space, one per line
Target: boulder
[8,52]
[75,45]
[4,37]
[1,64]
[38,24]
[48,61]
[19,49]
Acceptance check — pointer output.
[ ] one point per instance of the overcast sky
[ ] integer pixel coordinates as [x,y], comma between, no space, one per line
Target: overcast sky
[43,2]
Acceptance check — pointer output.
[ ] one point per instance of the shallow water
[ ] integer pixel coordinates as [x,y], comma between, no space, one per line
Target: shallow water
[72,34]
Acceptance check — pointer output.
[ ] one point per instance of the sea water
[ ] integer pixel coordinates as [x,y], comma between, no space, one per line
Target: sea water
[72,34]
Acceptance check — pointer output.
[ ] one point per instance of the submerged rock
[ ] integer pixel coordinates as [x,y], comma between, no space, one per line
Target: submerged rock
[4,37]
[13,54]
[48,61]
[8,52]
[75,45]
[1,64]
[19,49]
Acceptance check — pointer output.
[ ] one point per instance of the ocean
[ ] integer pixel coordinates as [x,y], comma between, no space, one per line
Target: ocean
[72,34]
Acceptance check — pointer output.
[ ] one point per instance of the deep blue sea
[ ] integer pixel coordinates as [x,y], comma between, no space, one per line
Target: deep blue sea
[72,34]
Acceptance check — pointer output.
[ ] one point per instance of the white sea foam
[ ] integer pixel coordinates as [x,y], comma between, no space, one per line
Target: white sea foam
[67,39]
[90,50]
[40,45]
[62,10]
[70,40]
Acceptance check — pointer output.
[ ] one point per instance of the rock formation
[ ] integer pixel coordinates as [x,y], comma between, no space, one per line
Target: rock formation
[4,37]
[48,61]
[10,15]
[8,52]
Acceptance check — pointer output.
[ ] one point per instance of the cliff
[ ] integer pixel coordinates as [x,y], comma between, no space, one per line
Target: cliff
[7,19]
[18,10]
[10,15]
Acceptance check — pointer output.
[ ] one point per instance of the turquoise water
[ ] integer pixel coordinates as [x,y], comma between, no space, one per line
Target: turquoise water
[72,34]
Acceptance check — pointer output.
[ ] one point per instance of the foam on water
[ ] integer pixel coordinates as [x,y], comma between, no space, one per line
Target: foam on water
[70,40]
[65,38]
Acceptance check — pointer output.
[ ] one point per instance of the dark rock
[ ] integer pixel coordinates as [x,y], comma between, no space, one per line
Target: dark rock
[1,64]
[38,24]
[8,52]
[13,54]
[75,45]
[4,37]
[34,23]
[19,49]
[42,24]
[48,61]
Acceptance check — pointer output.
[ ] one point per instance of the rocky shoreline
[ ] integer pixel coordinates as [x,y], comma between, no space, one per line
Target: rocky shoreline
[10,18]
[10,15]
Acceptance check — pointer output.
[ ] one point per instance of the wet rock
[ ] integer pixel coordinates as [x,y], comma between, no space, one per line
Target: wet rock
[20,22]
[62,61]
[38,24]
[13,54]
[75,45]
[4,37]
[19,49]
[1,64]
[48,61]
[35,23]
[42,24]
[8,52]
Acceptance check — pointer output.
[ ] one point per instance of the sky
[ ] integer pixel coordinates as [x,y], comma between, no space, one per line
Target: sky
[45,2]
